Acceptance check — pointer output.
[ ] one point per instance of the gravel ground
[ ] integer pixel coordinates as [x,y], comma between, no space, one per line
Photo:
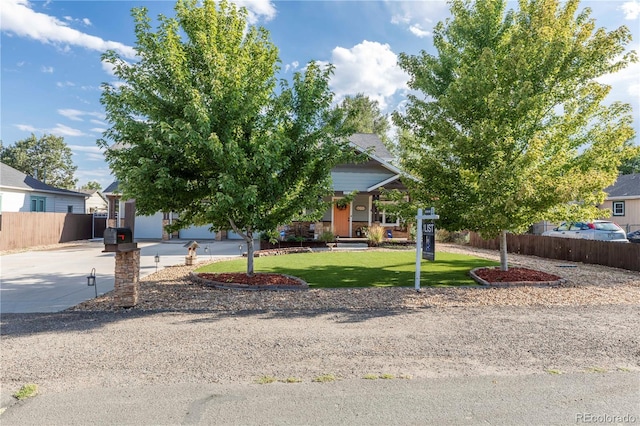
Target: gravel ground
[185,333]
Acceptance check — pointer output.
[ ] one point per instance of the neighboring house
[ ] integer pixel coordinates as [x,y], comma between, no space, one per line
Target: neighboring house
[347,220]
[96,202]
[623,199]
[22,193]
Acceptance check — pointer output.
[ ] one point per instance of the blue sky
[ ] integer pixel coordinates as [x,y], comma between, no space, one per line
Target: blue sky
[51,68]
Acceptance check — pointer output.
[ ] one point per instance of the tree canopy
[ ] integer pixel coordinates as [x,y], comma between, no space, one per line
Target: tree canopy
[201,126]
[363,115]
[511,126]
[91,185]
[47,158]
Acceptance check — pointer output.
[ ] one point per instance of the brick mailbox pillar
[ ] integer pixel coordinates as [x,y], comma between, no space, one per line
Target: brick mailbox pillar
[127,274]
[125,292]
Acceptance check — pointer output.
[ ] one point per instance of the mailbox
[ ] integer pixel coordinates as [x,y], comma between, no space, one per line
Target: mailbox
[117,236]
[118,239]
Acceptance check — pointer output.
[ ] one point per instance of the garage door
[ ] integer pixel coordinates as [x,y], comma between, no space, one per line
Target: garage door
[149,226]
[197,233]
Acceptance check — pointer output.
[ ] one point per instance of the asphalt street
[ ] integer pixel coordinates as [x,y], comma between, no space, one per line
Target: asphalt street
[56,279]
[542,399]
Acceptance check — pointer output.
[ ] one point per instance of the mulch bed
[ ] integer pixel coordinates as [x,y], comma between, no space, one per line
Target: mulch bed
[514,276]
[258,281]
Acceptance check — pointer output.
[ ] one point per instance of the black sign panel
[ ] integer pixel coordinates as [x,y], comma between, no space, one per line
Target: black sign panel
[429,241]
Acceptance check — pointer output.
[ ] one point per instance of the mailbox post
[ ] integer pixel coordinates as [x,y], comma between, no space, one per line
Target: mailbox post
[425,247]
[127,273]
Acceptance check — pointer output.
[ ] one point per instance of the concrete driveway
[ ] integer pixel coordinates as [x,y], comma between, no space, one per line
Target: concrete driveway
[56,279]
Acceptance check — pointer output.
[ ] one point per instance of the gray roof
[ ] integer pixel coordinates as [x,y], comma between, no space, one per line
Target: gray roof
[12,178]
[625,186]
[113,187]
[371,140]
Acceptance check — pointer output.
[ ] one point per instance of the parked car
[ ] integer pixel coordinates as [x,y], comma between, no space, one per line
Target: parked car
[600,230]
[634,236]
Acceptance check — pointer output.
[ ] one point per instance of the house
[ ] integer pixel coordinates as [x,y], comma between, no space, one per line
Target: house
[623,199]
[360,182]
[22,193]
[96,202]
[366,180]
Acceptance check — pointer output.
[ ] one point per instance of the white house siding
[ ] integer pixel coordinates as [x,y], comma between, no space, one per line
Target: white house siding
[13,201]
[61,203]
[16,201]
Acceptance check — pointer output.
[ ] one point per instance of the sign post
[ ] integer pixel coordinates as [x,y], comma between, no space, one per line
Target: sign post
[425,240]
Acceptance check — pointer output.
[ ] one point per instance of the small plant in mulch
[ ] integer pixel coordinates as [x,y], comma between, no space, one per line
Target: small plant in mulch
[26,391]
[266,379]
[325,378]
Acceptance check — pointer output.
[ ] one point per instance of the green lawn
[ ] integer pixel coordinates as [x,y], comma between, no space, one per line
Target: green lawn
[362,268]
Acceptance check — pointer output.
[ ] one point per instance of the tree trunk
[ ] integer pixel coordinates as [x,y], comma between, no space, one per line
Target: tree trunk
[503,251]
[248,238]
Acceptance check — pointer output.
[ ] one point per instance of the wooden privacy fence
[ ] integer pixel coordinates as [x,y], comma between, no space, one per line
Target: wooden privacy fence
[21,230]
[616,255]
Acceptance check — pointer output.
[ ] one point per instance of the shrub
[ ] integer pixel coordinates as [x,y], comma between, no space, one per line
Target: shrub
[375,235]
[270,236]
[444,236]
[327,237]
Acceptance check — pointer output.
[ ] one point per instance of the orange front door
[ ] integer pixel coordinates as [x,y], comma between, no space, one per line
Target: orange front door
[341,221]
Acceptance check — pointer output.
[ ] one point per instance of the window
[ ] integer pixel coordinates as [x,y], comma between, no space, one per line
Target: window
[618,208]
[69,209]
[38,204]
[389,219]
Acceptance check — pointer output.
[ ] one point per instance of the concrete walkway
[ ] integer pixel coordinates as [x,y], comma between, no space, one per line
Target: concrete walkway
[56,279]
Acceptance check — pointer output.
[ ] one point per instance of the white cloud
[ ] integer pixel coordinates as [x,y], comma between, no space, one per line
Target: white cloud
[370,68]
[26,128]
[258,9]
[292,66]
[98,122]
[98,130]
[65,84]
[71,114]
[87,22]
[21,63]
[108,68]
[48,70]
[418,31]
[76,115]
[418,17]
[18,18]
[62,130]
[631,10]
[86,149]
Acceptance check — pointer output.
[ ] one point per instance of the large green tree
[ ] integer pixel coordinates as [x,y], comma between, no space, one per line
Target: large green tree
[47,158]
[363,115]
[511,126]
[201,127]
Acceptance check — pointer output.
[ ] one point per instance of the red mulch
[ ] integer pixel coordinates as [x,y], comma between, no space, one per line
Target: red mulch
[256,279]
[495,275]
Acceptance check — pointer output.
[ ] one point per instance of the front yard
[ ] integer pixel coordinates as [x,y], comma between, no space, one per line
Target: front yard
[371,268]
